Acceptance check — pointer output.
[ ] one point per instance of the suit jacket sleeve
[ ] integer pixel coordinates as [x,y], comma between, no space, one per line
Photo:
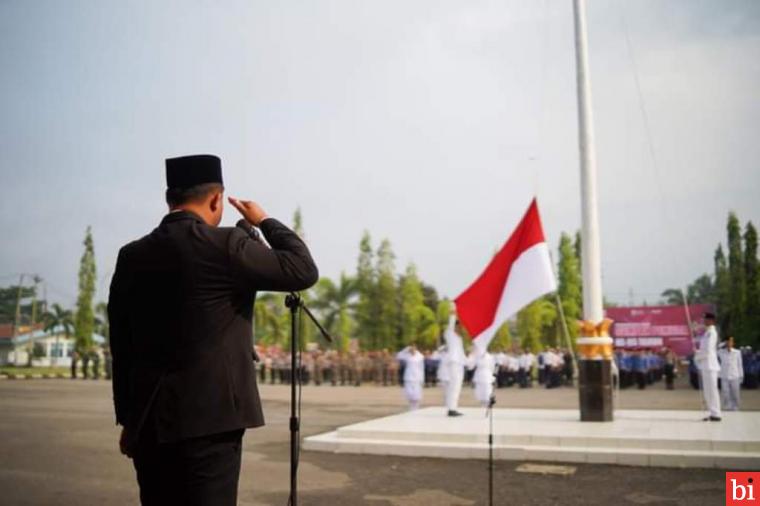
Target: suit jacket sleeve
[286,266]
[120,336]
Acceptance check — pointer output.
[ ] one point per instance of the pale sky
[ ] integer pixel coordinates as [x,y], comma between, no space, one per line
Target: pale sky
[432,123]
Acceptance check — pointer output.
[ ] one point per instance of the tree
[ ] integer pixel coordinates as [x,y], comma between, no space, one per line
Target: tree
[305,327]
[334,302]
[418,322]
[752,280]
[502,339]
[701,291]
[366,285]
[431,296]
[577,246]
[722,290]
[386,333]
[672,296]
[569,288]
[8,297]
[736,276]
[442,312]
[536,324]
[271,320]
[56,321]
[84,320]
[412,299]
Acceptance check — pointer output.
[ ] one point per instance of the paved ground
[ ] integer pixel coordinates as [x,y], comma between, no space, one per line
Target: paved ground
[59,447]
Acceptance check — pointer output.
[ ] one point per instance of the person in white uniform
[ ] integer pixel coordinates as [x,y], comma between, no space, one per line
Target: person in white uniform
[442,373]
[455,361]
[484,365]
[414,375]
[731,375]
[706,359]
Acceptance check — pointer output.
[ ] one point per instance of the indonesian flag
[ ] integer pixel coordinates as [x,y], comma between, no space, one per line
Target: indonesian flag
[519,273]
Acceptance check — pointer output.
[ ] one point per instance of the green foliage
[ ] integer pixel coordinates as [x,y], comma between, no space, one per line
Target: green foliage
[271,320]
[366,309]
[306,330]
[722,289]
[569,289]
[442,312]
[334,303]
[84,320]
[752,280]
[672,296]
[386,325]
[418,323]
[502,340]
[58,317]
[8,297]
[38,350]
[536,324]
[701,291]
[736,276]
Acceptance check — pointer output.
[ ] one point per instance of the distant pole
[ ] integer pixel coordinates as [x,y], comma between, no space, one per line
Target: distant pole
[17,315]
[595,348]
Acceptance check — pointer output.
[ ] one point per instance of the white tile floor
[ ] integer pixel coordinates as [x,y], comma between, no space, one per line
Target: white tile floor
[635,437]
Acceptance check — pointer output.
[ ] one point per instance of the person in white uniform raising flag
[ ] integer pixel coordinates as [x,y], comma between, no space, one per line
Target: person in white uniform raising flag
[706,359]
[454,363]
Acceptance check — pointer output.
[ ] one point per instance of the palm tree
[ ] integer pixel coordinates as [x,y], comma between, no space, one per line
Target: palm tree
[334,302]
[270,319]
[672,296]
[58,317]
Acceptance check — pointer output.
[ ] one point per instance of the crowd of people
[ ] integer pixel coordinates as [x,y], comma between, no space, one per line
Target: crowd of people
[645,367]
[519,368]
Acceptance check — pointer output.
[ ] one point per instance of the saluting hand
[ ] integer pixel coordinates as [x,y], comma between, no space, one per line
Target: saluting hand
[251,211]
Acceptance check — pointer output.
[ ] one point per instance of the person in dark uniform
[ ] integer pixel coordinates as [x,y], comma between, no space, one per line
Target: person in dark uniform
[74,360]
[95,365]
[85,364]
[181,310]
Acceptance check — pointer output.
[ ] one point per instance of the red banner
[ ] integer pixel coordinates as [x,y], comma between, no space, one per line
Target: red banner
[656,326]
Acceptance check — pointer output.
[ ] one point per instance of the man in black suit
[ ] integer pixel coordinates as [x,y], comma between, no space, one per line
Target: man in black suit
[181,310]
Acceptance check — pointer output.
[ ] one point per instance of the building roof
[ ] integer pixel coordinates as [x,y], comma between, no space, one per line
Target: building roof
[39,334]
[6,330]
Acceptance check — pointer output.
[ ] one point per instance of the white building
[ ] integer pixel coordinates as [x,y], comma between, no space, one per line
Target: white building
[55,347]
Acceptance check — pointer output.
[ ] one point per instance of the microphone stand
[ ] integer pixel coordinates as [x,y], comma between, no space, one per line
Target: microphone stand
[294,302]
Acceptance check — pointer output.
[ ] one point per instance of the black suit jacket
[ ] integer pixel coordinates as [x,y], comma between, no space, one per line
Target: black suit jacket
[181,311]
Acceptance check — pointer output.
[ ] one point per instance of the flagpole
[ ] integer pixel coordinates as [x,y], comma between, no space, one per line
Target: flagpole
[595,348]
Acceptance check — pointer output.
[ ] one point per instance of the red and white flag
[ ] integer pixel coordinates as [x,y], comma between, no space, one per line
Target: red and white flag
[519,273]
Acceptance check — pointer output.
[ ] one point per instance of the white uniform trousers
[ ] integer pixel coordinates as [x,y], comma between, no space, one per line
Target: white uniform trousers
[413,392]
[454,386]
[730,390]
[483,391]
[710,391]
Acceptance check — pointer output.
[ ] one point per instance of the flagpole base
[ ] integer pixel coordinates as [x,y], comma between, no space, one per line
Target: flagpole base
[595,371]
[595,389]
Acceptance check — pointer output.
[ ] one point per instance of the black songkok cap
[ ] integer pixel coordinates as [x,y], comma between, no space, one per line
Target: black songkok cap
[707,315]
[188,171]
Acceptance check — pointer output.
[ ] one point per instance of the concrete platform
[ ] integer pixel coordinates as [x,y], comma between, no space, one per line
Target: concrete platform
[635,437]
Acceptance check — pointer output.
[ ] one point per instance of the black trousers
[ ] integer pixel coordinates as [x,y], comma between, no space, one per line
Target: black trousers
[202,471]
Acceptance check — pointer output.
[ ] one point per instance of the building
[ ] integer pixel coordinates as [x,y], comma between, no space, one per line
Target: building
[53,347]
